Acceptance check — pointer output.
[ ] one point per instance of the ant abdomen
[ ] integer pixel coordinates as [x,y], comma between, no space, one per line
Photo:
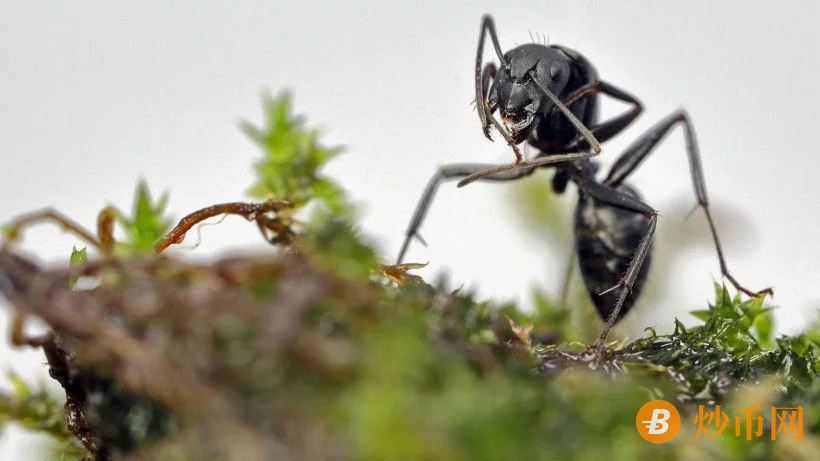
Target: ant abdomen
[606,238]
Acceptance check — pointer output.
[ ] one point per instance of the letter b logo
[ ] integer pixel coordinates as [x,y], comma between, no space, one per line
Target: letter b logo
[658,424]
[658,421]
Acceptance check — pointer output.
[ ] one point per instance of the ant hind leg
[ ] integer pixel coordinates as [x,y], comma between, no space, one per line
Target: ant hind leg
[644,145]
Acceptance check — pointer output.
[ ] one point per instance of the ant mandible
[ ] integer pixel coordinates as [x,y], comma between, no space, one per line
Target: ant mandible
[548,96]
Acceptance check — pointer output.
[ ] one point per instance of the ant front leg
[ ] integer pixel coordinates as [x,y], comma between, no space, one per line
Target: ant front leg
[453,171]
[644,145]
[482,80]
[489,73]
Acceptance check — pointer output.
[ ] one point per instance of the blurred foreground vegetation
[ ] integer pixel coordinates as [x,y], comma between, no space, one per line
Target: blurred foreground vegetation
[317,351]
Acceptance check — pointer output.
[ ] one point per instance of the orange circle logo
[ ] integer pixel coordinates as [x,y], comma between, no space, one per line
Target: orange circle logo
[658,421]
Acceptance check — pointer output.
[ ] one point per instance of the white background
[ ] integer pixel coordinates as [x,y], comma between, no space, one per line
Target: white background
[94,96]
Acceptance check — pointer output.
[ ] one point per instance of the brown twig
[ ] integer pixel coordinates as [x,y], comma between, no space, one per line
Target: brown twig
[251,211]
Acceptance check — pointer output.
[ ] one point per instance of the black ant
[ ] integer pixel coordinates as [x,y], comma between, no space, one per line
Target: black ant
[548,96]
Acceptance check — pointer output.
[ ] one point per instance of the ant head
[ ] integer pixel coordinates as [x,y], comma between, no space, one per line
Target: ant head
[514,91]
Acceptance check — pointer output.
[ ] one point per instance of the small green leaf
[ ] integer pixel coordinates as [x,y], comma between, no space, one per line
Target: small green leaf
[36,410]
[77,258]
[146,225]
[293,156]
[701,314]
[21,388]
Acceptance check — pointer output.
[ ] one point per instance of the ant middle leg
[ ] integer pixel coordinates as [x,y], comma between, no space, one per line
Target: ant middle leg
[446,172]
[644,145]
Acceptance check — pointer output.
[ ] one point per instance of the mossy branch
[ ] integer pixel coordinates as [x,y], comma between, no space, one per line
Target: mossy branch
[319,352]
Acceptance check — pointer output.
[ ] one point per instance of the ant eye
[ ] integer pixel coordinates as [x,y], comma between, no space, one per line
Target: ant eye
[555,70]
[492,98]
